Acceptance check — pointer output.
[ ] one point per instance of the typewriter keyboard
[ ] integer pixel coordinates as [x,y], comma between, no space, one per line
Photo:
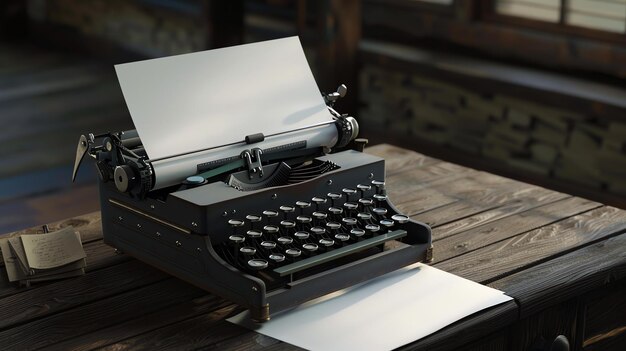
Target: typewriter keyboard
[308,233]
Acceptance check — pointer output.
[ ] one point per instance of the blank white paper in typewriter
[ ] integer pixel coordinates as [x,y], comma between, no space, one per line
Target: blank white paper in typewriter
[214,98]
[381,314]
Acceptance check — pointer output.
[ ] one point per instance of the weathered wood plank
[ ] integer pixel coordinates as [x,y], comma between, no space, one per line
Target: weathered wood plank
[201,332]
[567,276]
[66,294]
[525,250]
[398,159]
[516,222]
[97,315]
[477,198]
[144,324]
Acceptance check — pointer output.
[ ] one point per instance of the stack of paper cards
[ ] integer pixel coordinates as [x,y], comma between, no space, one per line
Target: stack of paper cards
[38,257]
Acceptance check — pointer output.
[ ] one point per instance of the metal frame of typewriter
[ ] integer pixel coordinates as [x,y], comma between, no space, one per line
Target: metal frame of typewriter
[178,235]
[178,229]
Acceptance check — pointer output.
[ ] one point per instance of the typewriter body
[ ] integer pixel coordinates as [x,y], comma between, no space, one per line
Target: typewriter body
[268,228]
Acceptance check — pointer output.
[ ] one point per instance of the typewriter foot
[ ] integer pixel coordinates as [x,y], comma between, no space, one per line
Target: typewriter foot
[260,315]
[119,252]
[429,255]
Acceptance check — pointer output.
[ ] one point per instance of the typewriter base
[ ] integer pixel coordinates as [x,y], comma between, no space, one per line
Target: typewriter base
[145,229]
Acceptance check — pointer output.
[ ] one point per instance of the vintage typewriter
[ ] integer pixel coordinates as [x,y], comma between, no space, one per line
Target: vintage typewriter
[268,221]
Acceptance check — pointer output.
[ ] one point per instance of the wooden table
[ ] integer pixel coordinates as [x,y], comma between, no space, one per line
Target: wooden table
[562,258]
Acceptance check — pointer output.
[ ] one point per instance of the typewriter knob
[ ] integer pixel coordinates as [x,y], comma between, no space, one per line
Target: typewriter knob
[301,235]
[380,186]
[358,232]
[310,247]
[293,252]
[400,218]
[125,178]
[380,211]
[335,210]
[254,234]
[387,223]
[277,257]
[319,215]
[257,264]
[372,228]
[364,216]
[326,242]
[285,240]
[318,201]
[318,230]
[303,204]
[248,250]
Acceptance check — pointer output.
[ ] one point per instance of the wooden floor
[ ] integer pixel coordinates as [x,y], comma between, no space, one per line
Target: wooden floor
[47,100]
[559,256]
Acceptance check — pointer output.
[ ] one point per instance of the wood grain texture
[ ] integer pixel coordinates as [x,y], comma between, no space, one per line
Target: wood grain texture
[204,331]
[63,295]
[98,315]
[542,247]
[567,276]
[506,257]
[143,324]
[460,241]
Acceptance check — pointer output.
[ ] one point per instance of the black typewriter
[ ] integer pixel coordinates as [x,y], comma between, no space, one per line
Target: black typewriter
[269,228]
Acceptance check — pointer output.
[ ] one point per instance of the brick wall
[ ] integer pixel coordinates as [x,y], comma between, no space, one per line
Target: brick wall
[526,136]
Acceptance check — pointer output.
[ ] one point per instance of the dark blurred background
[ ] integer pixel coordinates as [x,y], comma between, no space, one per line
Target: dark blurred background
[529,89]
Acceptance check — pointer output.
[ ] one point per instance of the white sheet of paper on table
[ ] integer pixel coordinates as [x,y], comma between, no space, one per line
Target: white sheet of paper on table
[381,314]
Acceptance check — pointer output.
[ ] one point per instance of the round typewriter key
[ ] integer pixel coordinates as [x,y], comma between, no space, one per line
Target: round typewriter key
[301,235]
[318,201]
[257,264]
[277,257]
[333,225]
[268,244]
[285,240]
[342,237]
[387,222]
[235,223]
[326,242]
[381,211]
[349,192]
[293,252]
[349,221]
[253,218]
[237,239]
[319,215]
[287,209]
[248,250]
[372,228]
[310,247]
[270,213]
[364,187]
[271,229]
[364,216]
[378,184]
[357,232]
[303,219]
[335,210]
[288,224]
[253,233]
[333,196]
[303,204]
[400,218]
[351,205]
[366,202]
[379,197]
[318,230]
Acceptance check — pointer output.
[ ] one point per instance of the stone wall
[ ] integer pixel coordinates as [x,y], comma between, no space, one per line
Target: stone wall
[146,29]
[522,135]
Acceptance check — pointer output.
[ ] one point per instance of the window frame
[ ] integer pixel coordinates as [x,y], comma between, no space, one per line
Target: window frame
[488,14]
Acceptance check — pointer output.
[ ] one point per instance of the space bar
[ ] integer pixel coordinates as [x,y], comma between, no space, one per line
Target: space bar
[337,253]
